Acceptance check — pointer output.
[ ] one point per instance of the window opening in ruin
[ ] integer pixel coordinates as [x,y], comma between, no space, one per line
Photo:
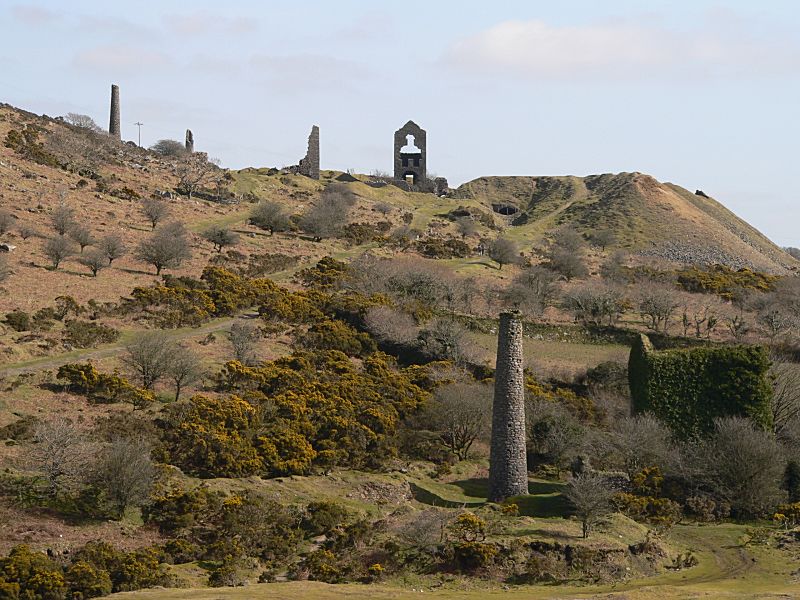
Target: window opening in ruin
[410,147]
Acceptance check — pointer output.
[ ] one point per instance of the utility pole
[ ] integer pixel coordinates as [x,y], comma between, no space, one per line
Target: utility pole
[139,125]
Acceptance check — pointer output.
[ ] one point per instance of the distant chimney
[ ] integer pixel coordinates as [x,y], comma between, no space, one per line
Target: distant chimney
[508,465]
[113,125]
[189,141]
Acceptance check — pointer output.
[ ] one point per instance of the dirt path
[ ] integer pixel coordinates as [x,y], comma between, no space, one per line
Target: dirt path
[56,360]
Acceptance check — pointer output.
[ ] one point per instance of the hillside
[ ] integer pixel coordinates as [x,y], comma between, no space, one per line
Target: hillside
[648,217]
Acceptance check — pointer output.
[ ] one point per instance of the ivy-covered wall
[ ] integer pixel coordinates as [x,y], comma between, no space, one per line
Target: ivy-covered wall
[689,388]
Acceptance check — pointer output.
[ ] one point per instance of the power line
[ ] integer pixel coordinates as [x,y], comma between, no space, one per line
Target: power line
[138,124]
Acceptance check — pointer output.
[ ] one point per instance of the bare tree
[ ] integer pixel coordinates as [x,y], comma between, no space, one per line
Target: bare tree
[447,339]
[125,473]
[58,249]
[466,227]
[95,261]
[62,219]
[776,320]
[220,237]
[270,216]
[461,413]
[185,369]
[26,231]
[59,453]
[642,441]
[166,248]
[243,337]
[603,238]
[785,378]
[169,148]
[532,291]
[553,433]
[112,247]
[742,465]
[504,252]
[657,303]
[150,356]
[6,221]
[194,171]
[155,210]
[329,215]
[390,325]
[596,303]
[566,254]
[81,235]
[82,121]
[590,495]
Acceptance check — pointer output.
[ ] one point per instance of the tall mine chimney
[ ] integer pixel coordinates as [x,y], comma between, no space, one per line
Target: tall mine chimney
[113,125]
[508,465]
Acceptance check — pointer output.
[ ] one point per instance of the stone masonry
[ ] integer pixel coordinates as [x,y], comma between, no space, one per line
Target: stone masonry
[508,465]
[113,124]
[309,166]
[189,141]
[410,165]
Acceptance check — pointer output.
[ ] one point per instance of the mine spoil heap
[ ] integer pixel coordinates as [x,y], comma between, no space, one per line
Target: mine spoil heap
[508,466]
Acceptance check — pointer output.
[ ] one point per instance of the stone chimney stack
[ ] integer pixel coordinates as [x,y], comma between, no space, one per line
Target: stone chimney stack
[508,465]
[189,141]
[113,125]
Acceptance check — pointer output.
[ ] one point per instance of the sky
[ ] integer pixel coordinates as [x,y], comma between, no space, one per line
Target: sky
[704,94]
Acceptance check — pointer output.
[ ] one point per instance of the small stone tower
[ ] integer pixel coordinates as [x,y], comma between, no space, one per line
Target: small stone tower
[189,141]
[410,154]
[508,465]
[113,124]
[309,165]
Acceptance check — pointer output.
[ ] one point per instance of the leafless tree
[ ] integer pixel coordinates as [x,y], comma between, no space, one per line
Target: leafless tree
[532,291]
[95,261]
[603,238]
[26,231]
[58,249]
[6,221]
[243,337]
[112,247]
[657,303]
[270,216]
[590,495]
[742,465]
[82,121]
[166,248]
[62,219]
[185,369]
[329,215]
[388,324]
[565,255]
[81,235]
[553,433]
[446,339]
[169,148]
[642,441]
[776,320]
[596,303]
[504,252]
[60,453]
[461,413]
[220,237]
[785,378]
[125,473]
[194,171]
[150,356]
[738,326]
[155,210]
[384,208]
[466,227]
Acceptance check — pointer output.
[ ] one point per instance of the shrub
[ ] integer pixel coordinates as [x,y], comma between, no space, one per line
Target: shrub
[324,275]
[18,320]
[85,580]
[472,556]
[323,516]
[443,248]
[88,334]
[336,335]
[689,388]
[33,574]
[26,143]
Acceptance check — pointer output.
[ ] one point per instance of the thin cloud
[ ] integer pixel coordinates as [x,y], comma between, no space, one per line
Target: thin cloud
[33,15]
[621,50]
[119,58]
[305,72]
[207,23]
